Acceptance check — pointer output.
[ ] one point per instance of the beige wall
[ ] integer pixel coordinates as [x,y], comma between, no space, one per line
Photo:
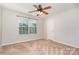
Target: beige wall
[0,25]
[64,27]
[10,28]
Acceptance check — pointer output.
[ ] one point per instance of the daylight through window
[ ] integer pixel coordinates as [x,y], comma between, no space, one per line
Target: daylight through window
[27,26]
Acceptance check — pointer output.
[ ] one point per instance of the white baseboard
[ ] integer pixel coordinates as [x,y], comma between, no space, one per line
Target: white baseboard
[17,42]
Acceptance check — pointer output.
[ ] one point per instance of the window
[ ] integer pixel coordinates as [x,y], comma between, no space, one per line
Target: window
[27,26]
[32,26]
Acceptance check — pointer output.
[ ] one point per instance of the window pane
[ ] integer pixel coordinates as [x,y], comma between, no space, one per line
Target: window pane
[32,27]
[23,26]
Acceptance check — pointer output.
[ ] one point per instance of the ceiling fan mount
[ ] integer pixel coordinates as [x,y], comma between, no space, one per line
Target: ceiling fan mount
[40,9]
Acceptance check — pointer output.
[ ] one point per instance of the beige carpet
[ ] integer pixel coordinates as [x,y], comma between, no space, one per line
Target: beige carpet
[40,47]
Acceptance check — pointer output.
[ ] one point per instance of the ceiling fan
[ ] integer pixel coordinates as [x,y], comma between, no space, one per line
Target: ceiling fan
[40,10]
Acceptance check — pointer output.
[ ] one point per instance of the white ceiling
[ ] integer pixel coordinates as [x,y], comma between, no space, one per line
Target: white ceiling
[25,7]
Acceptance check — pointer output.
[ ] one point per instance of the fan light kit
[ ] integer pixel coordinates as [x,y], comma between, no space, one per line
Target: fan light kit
[40,10]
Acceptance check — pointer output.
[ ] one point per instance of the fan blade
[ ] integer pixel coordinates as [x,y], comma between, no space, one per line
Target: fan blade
[45,12]
[47,8]
[33,11]
[35,6]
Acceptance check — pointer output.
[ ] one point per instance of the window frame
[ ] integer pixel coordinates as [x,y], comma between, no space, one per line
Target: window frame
[28,29]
